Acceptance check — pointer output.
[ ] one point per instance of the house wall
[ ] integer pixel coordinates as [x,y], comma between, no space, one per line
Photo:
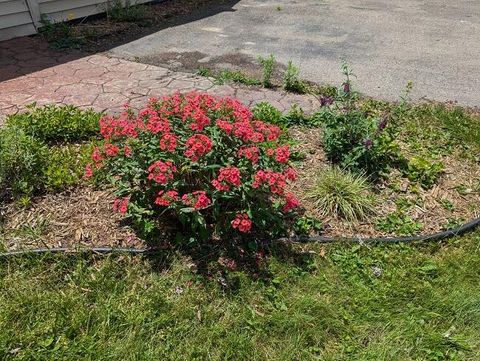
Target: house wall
[22,17]
[15,19]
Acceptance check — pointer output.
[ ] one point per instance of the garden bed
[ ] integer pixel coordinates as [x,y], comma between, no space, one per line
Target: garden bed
[421,175]
[454,200]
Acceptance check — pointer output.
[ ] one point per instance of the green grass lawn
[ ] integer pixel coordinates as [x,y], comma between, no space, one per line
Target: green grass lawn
[335,302]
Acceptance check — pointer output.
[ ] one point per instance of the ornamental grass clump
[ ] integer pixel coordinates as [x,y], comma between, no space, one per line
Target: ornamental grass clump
[203,161]
[341,194]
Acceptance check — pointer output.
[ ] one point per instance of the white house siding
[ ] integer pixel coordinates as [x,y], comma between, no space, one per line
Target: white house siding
[15,19]
[22,17]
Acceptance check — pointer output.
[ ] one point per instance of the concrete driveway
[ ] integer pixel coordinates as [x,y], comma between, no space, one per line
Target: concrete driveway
[434,43]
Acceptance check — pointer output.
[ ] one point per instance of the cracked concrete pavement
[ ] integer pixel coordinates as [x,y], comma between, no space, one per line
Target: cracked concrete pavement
[435,43]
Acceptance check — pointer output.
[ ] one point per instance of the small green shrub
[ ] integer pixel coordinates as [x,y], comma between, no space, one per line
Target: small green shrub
[328,91]
[291,81]
[66,166]
[341,194]
[424,172]
[124,11]
[358,142]
[353,138]
[446,204]
[52,123]
[267,113]
[453,223]
[60,35]
[28,165]
[296,116]
[22,160]
[268,65]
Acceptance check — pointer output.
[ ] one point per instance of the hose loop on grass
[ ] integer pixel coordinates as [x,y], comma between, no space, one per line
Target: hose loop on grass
[465,228]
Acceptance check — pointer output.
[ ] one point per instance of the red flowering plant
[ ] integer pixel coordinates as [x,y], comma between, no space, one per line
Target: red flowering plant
[203,160]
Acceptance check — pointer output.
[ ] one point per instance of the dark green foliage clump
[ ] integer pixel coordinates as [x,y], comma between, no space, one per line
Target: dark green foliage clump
[45,148]
[53,124]
[267,113]
[22,161]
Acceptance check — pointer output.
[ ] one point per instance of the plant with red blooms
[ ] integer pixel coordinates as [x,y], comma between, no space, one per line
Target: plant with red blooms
[203,161]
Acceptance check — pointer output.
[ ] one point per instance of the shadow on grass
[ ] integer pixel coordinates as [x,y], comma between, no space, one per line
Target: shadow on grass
[218,261]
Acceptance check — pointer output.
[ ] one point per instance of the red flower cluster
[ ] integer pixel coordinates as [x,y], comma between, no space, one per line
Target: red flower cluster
[242,222]
[196,111]
[160,172]
[180,130]
[226,177]
[225,125]
[197,199]
[282,154]
[275,180]
[252,153]
[97,156]
[88,171]
[269,131]
[155,123]
[111,150]
[168,142]
[197,145]
[118,127]
[165,198]
[290,202]
[121,205]
[290,174]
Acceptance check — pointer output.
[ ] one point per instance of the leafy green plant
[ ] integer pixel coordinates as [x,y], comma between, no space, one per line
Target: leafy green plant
[423,171]
[125,11]
[399,223]
[297,116]
[203,161]
[202,71]
[358,142]
[22,161]
[453,223]
[235,76]
[341,194]
[291,81]
[327,91]
[268,65]
[53,123]
[353,138]
[29,165]
[66,166]
[306,225]
[59,34]
[446,204]
[267,113]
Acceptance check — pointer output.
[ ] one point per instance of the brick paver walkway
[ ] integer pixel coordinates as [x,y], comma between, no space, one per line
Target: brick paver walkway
[34,73]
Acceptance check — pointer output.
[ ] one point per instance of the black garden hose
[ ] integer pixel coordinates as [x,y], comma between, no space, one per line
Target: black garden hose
[467,227]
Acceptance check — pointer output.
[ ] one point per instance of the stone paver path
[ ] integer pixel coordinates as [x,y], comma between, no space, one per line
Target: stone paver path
[34,73]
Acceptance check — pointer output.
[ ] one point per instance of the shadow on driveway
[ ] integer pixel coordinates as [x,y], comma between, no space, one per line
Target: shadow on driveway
[25,55]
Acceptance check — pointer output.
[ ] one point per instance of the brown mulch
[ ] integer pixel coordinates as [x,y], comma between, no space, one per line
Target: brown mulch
[428,210]
[81,218]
